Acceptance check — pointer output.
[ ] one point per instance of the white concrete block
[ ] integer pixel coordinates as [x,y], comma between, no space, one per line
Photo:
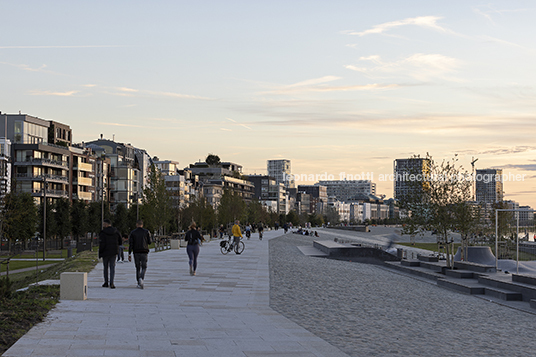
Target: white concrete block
[73,286]
[175,243]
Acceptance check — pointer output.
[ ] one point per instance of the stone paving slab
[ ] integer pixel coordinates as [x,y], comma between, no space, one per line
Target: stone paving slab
[222,311]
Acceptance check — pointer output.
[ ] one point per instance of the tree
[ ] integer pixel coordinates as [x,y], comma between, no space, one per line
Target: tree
[231,208]
[332,216]
[80,219]
[62,218]
[437,202]
[200,212]
[156,210]
[292,217]
[19,217]
[50,221]
[120,219]
[212,160]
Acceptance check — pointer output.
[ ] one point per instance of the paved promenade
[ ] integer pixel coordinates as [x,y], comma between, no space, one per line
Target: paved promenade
[223,311]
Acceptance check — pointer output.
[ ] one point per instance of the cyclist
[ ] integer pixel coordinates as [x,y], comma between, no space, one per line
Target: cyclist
[236,235]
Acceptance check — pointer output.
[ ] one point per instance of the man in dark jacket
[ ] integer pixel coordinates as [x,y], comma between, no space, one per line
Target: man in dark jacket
[138,242]
[109,242]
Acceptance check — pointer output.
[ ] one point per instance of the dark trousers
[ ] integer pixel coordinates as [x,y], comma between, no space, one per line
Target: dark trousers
[120,253]
[109,263]
[193,252]
[140,259]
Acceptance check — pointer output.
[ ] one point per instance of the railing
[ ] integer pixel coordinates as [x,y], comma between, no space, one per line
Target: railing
[43,161]
[162,243]
[41,177]
[50,192]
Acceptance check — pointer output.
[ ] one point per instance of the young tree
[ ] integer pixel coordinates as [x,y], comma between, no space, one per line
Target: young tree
[51,227]
[437,202]
[62,218]
[156,210]
[231,208]
[120,219]
[212,160]
[79,219]
[19,217]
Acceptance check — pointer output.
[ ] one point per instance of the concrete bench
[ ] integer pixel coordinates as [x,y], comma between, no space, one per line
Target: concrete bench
[73,286]
[525,279]
[479,268]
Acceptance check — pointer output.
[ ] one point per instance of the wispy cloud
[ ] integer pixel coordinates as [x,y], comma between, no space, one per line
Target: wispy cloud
[526,167]
[53,46]
[500,151]
[319,85]
[225,129]
[25,67]
[429,22]
[123,125]
[133,92]
[420,66]
[502,42]
[240,124]
[60,94]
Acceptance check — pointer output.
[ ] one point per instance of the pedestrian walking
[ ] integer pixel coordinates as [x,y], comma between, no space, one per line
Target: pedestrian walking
[120,253]
[109,242]
[194,239]
[237,234]
[138,242]
[222,231]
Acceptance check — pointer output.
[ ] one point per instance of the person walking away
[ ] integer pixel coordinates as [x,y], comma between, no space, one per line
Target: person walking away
[261,229]
[237,234]
[248,231]
[194,239]
[222,231]
[109,242]
[120,253]
[138,242]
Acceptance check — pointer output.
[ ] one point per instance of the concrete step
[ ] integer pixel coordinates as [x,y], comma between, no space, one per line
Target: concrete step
[438,267]
[460,274]
[525,279]
[410,262]
[527,291]
[467,286]
[414,270]
[533,303]
[503,294]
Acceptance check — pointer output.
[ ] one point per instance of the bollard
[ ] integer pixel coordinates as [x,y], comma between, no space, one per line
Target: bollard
[175,243]
[73,286]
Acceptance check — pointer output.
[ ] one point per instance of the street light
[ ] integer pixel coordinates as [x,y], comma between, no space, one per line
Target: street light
[45,187]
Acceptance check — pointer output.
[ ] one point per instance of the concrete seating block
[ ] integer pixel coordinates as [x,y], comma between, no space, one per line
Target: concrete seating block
[175,243]
[183,243]
[73,286]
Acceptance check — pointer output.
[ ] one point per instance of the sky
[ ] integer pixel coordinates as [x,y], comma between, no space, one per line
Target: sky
[339,88]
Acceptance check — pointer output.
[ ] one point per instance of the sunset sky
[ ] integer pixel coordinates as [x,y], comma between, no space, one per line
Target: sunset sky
[334,86]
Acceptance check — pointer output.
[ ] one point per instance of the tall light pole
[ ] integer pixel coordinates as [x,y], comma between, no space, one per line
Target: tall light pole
[45,186]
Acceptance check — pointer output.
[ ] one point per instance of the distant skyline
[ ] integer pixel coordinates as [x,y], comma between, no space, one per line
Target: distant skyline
[339,86]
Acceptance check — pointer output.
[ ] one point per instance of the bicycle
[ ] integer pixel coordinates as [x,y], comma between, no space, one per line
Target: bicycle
[227,246]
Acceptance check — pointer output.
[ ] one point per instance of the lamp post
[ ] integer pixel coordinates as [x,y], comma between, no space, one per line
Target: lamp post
[45,187]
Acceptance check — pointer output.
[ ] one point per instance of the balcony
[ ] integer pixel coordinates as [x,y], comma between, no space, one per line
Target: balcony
[36,192]
[43,162]
[49,178]
[83,181]
[86,196]
[82,166]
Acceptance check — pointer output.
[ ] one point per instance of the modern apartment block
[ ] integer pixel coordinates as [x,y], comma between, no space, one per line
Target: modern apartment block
[410,176]
[215,179]
[178,182]
[5,166]
[37,164]
[125,177]
[281,171]
[344,190]
[488,186]
[319,196]
[270,192]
